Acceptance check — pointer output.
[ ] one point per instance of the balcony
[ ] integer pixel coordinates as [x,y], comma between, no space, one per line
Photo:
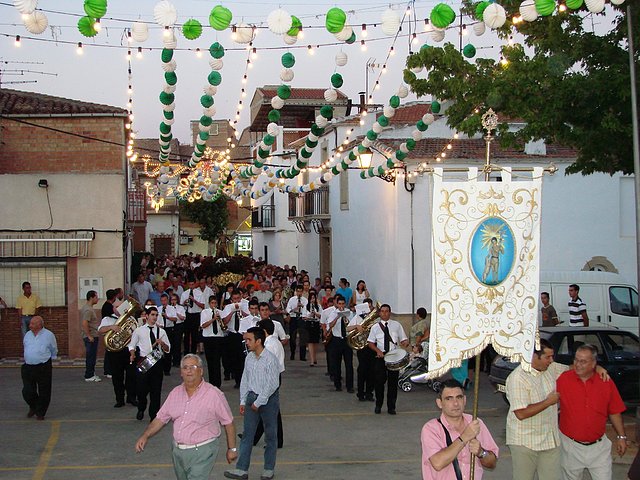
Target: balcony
[309,205]
[136,208]
[264,217]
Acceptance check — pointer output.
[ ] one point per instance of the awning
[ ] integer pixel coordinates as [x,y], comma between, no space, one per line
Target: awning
[45,244]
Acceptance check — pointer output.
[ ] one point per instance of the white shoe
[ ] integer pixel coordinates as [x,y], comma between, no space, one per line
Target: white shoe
[108,376]
[95,378]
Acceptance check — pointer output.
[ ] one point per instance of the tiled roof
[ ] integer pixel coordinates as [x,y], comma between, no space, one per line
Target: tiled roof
[15,102]
[409,114]
[300,93]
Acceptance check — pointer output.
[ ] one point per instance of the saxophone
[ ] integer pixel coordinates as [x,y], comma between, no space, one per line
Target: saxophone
[358,340]
[116,341]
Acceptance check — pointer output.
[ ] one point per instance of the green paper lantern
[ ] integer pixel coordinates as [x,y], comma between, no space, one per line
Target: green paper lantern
[296,25]
[381,170]
[164,128]
[301,163]
[216,50]
[394,101]
[200,148]
[204,136]
[205,120]
[274,116]
[345,165]
[284,92]
[220,18]
[336,80]
[197,153]
[206,101]
[86,27]
[469,51]
[420,125]
[288,60]
[167,98]
[574,4]
[166,138]
[316,130]
[263,153]
[371,135]
[214,78]
[335,20]
[383,121]
[362,149]
[400,155]
[95,8]
[327,112]
[167,114]
[409,76]
[480,9]
[411,144]
[192,29]
[352,156]
[442,15]
[425,47]
[171,78]
[371,172]
[545,7]
[268,139]
[305,153]
[352,39]
[435,106]
[310,143]
[166,55]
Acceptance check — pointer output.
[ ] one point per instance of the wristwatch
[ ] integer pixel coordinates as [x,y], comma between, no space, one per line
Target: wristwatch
[482,454]
[234,449]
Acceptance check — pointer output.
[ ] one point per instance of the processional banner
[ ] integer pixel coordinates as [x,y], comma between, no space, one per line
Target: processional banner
[485,276]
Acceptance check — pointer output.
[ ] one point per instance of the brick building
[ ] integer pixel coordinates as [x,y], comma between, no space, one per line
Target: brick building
[63,175]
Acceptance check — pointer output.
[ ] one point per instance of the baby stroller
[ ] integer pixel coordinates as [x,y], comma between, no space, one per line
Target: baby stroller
[417,366]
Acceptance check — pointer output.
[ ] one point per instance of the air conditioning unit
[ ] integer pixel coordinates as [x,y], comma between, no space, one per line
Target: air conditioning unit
[185,239]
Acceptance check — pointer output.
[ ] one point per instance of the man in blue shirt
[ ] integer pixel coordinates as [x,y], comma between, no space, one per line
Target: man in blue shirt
[345,290]
[40,348]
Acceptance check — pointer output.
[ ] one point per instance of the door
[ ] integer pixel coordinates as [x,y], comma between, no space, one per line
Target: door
[162,246]
[325,254]
[623,308]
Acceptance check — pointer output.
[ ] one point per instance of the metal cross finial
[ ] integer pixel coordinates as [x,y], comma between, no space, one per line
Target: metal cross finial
[489,121]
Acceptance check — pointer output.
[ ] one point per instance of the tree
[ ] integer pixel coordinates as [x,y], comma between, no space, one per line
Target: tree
[212,217]
[568,85]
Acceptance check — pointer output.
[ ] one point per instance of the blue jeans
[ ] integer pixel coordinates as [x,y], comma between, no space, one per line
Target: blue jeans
[92,352]
[24,324]
[269,415]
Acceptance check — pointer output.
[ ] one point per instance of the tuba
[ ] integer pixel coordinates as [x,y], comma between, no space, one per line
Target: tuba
[116,341]
[358,340]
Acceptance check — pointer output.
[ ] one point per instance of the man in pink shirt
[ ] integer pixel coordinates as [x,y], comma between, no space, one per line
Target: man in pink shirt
[449,441]
[197,409]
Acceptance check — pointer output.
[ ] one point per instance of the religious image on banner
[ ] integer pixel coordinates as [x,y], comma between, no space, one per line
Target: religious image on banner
[485,277]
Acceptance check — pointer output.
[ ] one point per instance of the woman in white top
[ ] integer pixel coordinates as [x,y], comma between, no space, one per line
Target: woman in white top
[359,294]
[311,315]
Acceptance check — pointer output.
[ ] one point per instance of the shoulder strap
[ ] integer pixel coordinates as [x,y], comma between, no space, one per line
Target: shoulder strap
[456,465]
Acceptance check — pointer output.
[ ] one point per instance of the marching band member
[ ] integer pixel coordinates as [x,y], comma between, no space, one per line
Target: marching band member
[336,328]
[366,357]
[295,306]
[147,338]
[213,333]
[178,327]
[252,319]
[232,315]
[166,319]
[384,337]
[311,315]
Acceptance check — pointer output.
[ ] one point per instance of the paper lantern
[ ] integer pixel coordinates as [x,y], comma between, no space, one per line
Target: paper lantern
[442,15]
[289,40]
[330,95]
[576,4]
[344,34]
[428,119]
[480,7]
[479,28]
[284,92]
[279,21]
[528,11]
[437,35]
[545,7]
[140,32]
[435,106]
[169,66]
[170,42]
[296,25]
[403,91]
[171,78]
[277,103]
[469,51]
[26,7]
[390,22]
[165,14]
[594,6]
[216,64]
[617,2]
[341,59]
[220,18]
[166,55]
[335,20]
[214,78]
[336,80]
[85,27]
[95,8]
[216,50]
[494,16]
[288,60]
[36,22]
[273,129]
[352,38]
[244,34]
[191,29]
[417,69]
[388,111]
[286,75]
[210,90]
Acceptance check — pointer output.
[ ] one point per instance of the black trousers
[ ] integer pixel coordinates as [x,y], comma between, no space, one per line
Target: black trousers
[340,350]
[123,376]
[234,353]
[297,327]
[366,376]
[191,327]
[36,386]
[176,348]
[382,376]
[150,384]
[213,349]
[167,359]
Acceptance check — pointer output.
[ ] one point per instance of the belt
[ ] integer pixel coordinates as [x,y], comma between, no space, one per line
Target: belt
[184,446]
[586,444]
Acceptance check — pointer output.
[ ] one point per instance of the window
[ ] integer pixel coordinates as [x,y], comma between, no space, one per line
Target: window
[344,190]
[214,129]
[48,281]
[571,342]
[622,347]
[624,301]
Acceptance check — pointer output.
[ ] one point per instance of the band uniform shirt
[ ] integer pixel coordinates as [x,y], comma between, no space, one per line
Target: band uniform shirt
[261,376]
[272,344]
[196,419]
[585,406]
[171,312]
[278,330]
[326,313]
[247,322]
[396,332]
[292,305]
[433,440]
[337,328]
[39,348]
[88,313]
[538,432]
[576,308]
[28,304]
[141,338]
[206,315]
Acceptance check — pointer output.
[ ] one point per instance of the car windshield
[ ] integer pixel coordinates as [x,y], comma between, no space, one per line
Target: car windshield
[622,347]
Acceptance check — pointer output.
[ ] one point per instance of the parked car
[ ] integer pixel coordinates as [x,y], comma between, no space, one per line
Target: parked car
[618,352]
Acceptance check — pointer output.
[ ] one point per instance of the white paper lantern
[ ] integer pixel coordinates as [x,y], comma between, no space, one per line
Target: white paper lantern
[140,32]
[290,39]
[416,135]
[366,142]
[341,59]
[594,6]
[286,74]
[165,14]
[428,118]
[327,176]
[479,28]
[437,35]
[204,128]
[389,111]
[277,102]
[244,33]
[494,15]
[403,148]
[403,91]
[528,11]
[216,64]
[36,22]
[210,89]
[321,121]
[169,88]
[170,42]
[417,69]
[390,22]
[344,34]
[272,129]
[279,21]
[169,108]
[209,111]
[170,66]
[330,95]
[617,2]
[376,127]
[312,137]
[26,7]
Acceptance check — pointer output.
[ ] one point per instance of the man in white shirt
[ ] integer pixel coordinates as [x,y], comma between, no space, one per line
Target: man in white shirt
[366,357]
[324,319]
[195,300]
[233,353]
[166,319]
[339,349]
[385,336]
[141,289]
[278,329]
[295,306]
[213,334]
[263,294]
[146,338]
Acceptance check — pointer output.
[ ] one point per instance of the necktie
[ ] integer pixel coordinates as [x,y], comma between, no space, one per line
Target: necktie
[387,338]
[152,336]
[237,322]
[214,325]
[343,328]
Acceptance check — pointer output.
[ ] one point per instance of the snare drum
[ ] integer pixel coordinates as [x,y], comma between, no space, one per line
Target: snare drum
[396,360]
[145,364]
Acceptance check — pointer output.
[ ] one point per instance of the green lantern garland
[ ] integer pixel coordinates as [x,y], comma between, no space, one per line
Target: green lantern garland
[442,15]
[296,25]
[335,20]
[480,9]
[469,51]
[220,18]
[95,8]
[192,29]
[288,60]
[336,80]
[86,26]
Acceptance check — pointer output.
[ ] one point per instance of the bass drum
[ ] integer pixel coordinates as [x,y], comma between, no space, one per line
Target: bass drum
[396,360]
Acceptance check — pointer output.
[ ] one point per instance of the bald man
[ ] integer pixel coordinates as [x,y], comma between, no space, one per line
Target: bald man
[40,348]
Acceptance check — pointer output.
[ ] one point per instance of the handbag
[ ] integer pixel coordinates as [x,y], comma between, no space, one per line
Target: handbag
[456,465]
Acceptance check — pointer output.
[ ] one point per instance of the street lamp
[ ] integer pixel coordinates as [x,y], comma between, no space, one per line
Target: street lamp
[364,158]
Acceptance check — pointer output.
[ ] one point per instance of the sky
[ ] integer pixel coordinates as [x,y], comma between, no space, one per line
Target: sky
[100,74]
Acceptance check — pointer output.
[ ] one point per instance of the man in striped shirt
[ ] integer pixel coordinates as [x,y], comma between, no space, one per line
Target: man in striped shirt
[577,308]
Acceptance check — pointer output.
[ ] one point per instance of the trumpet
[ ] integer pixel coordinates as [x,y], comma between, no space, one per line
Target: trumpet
[223,326]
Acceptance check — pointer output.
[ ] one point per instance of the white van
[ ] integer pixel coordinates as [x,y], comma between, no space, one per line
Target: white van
[610,299]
